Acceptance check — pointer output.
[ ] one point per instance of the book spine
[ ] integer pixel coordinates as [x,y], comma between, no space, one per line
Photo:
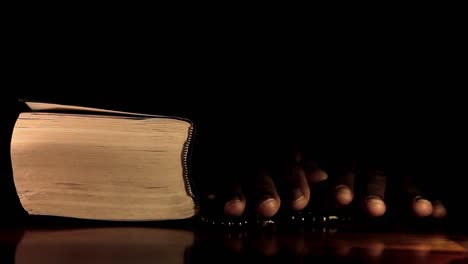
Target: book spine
[186,157]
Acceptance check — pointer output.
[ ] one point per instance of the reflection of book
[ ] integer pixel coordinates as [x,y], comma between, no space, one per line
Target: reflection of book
[99,164]
[104,245]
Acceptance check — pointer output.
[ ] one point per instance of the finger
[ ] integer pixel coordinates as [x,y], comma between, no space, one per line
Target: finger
[345,173]
[434,191]
[308,160]
[313,172]
[291,178]
[296,188]
[374,201]
[422,183]
[438,209]
[421,206]
[316,180]
[212,201]
[265,194]
[234,201]
[222,195]
[343,195]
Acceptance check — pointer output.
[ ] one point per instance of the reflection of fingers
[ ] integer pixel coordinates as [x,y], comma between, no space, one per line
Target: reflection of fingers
[344,190]
[374,201]
[295,244]
[234,201]
[342,248]
[438,209]
[374,249]
[234,242]
[297,188]
[421,207]
[268,200]
[267,245]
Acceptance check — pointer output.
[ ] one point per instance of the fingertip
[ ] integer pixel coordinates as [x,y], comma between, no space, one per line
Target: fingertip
[375,206]
[343,195]
[316,175]
[234,207]
[266,196]
[300,199]
[422,207]
[322,175]
[438,210]
[268,207]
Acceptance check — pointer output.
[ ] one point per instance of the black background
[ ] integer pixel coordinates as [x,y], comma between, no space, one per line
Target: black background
[390,99]
[412,132]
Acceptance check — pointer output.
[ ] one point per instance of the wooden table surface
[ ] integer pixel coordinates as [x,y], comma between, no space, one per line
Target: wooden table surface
[168,244]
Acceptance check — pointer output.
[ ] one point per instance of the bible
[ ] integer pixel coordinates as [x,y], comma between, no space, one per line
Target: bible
[100,164]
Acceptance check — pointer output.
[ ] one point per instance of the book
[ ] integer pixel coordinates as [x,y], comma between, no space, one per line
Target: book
[101,164]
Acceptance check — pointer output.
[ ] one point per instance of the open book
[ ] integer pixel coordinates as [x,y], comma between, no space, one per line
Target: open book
[100,164]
